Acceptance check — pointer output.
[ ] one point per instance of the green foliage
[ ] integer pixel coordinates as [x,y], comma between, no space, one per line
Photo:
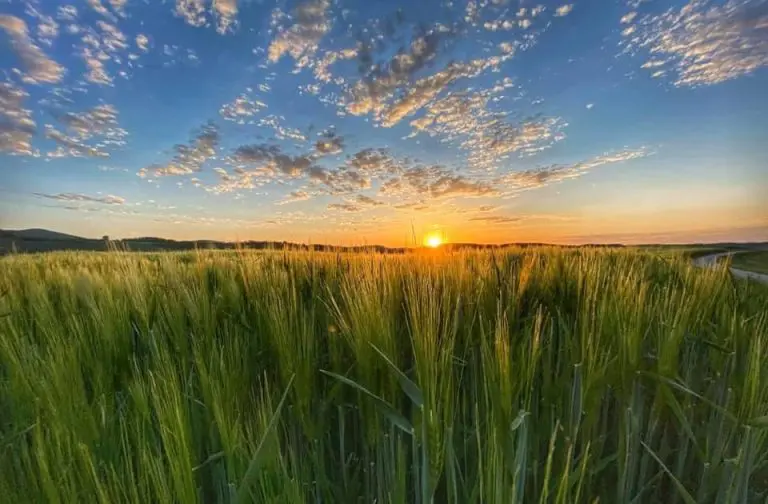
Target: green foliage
[512,376]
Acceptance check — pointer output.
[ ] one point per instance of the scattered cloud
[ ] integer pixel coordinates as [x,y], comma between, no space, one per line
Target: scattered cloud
[345,207]
[341,181]
[272,159]
[300,39]
[226,14]
[84,198]
[241,108]
[590,105]
[329,143]
[38,67]
[375,162]
[704,42]
[66,13]
[192,11]
[496,219]
[16,124]
[530,179]
[99,123]
[142,42]
[189,157]
[563,10]
[435,182]
[295,196]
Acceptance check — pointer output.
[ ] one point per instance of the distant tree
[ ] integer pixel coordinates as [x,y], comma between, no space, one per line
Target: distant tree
[105,238]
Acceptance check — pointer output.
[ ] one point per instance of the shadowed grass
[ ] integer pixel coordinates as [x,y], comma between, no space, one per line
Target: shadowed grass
[517,375]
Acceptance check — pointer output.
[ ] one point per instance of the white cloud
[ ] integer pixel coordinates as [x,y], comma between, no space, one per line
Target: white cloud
[295,196]
[301,39]
[142,42]
[16,124]
[272,159]
[98,125]
[84,198]
[563,10]
[189,157]
[66,13]
[241,108]
[226,11]
[192,11]
[39,67]
[531,179]
[704,42]
[330,143]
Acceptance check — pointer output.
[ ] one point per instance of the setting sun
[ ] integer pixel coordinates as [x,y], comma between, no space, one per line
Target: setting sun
[433,241]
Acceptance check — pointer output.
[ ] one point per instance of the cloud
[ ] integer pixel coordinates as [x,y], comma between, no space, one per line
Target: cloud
[97,6]
[530,179]
[66,13]
[704,43]
[39,67]
[192,11]
[375,162]
[281,132]
[142,42]
[71,146]
[241,108]
[189,157]
[341,181]
[496,219]
[467,120]
[100,122]
[435,182]
[329,143]
[563,10]
[16,124]
[367,201]
[106,200]
[272,159]
[357,204]
[295,196]
[226,13]
[301,39]
[345,207]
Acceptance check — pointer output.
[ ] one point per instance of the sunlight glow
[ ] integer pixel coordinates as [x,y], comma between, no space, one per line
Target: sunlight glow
[433,241]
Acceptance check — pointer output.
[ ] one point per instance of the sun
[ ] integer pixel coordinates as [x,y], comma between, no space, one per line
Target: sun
[433,241]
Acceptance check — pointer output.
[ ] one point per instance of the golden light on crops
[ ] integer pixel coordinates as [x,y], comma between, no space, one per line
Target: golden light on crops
[433,240]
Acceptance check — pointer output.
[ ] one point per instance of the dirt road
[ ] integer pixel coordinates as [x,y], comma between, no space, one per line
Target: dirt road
[711,260]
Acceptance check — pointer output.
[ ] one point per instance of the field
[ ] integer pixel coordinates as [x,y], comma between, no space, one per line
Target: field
[751,261]
[525,375]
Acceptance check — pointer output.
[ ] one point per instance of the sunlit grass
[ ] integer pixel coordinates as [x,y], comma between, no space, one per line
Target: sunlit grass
[523,375]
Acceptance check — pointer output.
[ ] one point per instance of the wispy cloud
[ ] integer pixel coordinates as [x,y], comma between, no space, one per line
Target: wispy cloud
[563,10]
[189,157]
[301,38]
[530,179]
[84,198]
[704,42]
[99,123]
[38,67]
[16,124]
[272,158]
[241,109]
[295,196]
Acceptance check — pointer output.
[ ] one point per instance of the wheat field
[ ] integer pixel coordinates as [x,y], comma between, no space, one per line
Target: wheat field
[523,375]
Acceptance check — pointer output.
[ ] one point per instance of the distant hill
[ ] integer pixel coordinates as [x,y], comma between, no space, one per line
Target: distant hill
[44,240]
[38,234]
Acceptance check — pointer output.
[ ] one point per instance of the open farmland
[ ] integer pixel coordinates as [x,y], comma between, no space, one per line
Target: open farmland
[517,375]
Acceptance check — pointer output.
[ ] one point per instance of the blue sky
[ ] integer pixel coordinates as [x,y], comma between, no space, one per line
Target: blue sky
[361,121]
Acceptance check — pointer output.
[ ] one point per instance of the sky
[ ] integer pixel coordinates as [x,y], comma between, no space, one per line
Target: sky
[384,121]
